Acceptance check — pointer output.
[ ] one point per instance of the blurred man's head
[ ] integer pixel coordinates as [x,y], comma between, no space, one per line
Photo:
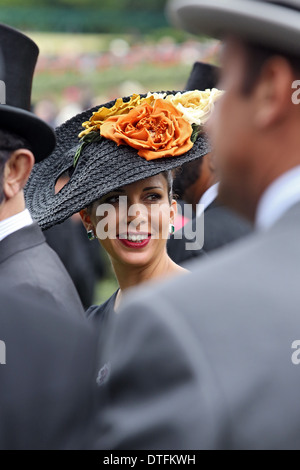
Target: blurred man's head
[255,127]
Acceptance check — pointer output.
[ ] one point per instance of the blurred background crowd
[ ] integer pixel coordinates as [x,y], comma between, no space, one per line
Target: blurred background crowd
[92,52]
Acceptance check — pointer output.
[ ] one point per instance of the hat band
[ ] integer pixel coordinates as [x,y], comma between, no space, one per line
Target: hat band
[290,5]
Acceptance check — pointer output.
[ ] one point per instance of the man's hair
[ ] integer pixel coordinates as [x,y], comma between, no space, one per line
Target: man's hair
[9,142]
[256,57]
[186,176]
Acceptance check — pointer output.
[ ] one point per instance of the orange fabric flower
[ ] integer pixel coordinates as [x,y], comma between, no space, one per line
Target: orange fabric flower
[98,117]
[156,131]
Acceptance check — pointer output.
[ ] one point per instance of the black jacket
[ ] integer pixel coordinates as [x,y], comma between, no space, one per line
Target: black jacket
[81,258]
[221,226]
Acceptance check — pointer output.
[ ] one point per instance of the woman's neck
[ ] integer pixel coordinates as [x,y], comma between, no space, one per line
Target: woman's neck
[130,275]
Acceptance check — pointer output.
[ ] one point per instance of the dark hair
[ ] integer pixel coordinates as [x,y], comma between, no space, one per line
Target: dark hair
[9,142]
[256,57]
[169,177]
[185,176]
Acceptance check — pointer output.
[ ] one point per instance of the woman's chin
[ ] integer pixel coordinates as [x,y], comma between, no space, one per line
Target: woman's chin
[126,254]
[135,259]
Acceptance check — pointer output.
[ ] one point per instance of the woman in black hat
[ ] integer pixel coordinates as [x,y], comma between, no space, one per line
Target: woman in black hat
[136,235]
[128,148]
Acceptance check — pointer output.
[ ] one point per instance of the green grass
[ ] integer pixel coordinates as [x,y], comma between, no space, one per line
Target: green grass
[57,43]
[107,286]
[150,78]
[51,83]
[104,289]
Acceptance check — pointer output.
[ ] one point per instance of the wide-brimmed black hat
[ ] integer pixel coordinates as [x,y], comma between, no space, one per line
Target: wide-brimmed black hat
[102,167]
[19,56]
[202,76]
[271,23]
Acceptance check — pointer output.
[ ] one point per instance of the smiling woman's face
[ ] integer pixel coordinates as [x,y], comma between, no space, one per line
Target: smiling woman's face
[132,223]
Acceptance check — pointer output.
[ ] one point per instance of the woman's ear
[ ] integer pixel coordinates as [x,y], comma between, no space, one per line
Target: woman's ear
[173,211]
[86,220]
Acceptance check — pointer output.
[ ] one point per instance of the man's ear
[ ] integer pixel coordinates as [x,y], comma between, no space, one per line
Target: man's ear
[273,92]
[16,172]
[173,211]
[211,159]
[86,220]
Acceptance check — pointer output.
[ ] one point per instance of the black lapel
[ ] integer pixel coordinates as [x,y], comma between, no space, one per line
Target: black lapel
[214,205]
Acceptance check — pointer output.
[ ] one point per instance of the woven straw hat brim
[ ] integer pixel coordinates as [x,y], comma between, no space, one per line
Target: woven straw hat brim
[102,167]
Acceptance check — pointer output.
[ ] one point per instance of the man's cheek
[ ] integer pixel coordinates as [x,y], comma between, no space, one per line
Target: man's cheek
[219,137]
[219,119]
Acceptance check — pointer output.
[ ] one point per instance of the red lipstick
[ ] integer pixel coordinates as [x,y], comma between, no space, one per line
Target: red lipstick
[132,244]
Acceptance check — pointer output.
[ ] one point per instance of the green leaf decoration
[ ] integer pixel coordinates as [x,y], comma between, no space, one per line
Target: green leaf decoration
[92,136]
[197,130]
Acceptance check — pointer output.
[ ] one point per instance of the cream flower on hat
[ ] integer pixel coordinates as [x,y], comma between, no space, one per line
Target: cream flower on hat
[196,106]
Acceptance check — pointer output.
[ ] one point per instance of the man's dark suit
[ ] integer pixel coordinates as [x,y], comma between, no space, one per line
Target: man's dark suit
[204,360]
[80,257]
[221,226]
[47,392]
[30,266]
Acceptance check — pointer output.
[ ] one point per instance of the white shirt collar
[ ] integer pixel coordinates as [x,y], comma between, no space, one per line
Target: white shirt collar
[282,194]
[207,198]
[14,223]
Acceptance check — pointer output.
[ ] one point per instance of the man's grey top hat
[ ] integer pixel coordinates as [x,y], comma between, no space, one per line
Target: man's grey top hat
[202,76]
[274,24]
[19,56]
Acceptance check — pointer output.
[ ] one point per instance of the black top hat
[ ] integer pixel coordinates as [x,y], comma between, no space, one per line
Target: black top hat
[202,76]
[102,167]
[19,56]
